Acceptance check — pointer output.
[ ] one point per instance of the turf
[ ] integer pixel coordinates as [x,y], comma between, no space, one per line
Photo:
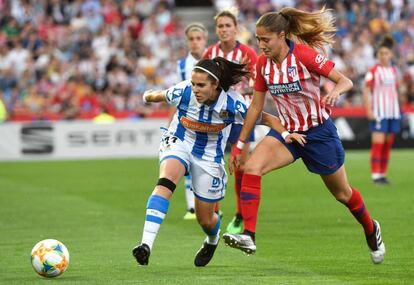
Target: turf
[304,236]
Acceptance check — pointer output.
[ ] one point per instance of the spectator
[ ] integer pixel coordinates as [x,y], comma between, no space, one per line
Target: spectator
[55,40]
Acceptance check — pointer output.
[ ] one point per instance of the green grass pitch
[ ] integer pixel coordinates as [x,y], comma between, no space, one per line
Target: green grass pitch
[304,236]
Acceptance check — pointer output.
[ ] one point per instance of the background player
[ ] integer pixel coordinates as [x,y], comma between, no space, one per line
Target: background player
[231,49]
[291,72]
[383,110]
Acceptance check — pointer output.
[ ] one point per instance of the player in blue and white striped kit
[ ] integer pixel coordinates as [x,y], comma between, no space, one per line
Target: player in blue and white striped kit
[195,143]
[196,35]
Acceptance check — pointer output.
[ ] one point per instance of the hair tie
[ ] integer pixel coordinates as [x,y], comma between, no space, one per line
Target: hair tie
[206,70]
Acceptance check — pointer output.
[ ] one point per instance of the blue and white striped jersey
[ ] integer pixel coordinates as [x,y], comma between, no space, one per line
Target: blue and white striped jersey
[185,66]
[204,128]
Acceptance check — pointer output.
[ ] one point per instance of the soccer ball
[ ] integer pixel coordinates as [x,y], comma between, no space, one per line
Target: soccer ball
[50,258]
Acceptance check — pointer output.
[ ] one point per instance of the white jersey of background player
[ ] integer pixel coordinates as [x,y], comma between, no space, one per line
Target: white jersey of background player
[195,142]
[196,35]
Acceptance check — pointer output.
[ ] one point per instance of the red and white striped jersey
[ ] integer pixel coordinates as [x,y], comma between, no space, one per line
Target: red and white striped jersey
[295,86]
[236,55]
[383,82]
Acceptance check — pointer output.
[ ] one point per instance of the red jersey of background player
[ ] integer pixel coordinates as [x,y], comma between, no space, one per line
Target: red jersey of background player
[236,55]
[383,81]
[295,86]
[240,51]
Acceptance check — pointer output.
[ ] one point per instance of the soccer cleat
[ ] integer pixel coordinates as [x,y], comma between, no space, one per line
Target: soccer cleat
[385,181]
[381,181]
[240,241]
[141,253]
[190,215]
[375,244]
[205,254]
[236,225]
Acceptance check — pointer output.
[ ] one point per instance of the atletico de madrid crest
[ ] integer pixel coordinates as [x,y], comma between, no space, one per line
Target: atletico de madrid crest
[292,71]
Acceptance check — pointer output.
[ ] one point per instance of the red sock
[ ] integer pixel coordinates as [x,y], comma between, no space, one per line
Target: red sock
[216,207]
[357,207]
[238,175]
[376,157]
[386,151]
[250,200]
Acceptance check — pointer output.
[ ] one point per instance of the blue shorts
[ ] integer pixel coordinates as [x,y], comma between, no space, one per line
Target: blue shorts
[323,153]
[235,133]
[386,126]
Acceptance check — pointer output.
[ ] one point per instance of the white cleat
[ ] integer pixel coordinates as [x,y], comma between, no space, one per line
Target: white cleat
[240,241]
[376,245]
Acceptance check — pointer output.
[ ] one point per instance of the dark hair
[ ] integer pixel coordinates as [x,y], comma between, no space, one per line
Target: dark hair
[387,41]
[227,72]
[312,28]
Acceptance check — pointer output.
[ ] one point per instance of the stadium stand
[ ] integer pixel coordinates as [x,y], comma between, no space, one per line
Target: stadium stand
[71,59]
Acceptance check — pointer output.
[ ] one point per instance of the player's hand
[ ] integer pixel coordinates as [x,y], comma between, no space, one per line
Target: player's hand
[235,159]
[232,167]
[295,137]
[331,99]
[146,97]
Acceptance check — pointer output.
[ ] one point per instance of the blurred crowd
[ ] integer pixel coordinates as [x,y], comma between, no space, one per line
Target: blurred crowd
[360,24]
[75,59]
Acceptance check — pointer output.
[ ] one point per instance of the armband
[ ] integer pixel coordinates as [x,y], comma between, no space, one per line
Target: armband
[237,148]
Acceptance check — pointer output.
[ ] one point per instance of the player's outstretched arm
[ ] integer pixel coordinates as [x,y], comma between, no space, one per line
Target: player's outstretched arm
[151,96]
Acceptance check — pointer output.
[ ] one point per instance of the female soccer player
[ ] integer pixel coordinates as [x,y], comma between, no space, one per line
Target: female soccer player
[196,35]
[383,110]
[291,72]
[232,50]
[194,143]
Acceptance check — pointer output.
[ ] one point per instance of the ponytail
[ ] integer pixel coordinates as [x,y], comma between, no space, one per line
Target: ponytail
[228,73]
[312,28]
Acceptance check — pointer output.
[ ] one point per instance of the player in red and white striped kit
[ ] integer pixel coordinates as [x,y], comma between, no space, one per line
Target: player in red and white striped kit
[291,72]
[383,109]
[231,49]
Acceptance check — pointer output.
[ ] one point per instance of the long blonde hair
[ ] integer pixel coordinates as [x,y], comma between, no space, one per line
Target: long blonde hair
[312,28]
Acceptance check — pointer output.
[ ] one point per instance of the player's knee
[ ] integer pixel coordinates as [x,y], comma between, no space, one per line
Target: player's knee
[253,168]
[206,222]
[167,183]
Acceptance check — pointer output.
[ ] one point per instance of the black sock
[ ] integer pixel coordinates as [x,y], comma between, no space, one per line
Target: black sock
[251,234]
